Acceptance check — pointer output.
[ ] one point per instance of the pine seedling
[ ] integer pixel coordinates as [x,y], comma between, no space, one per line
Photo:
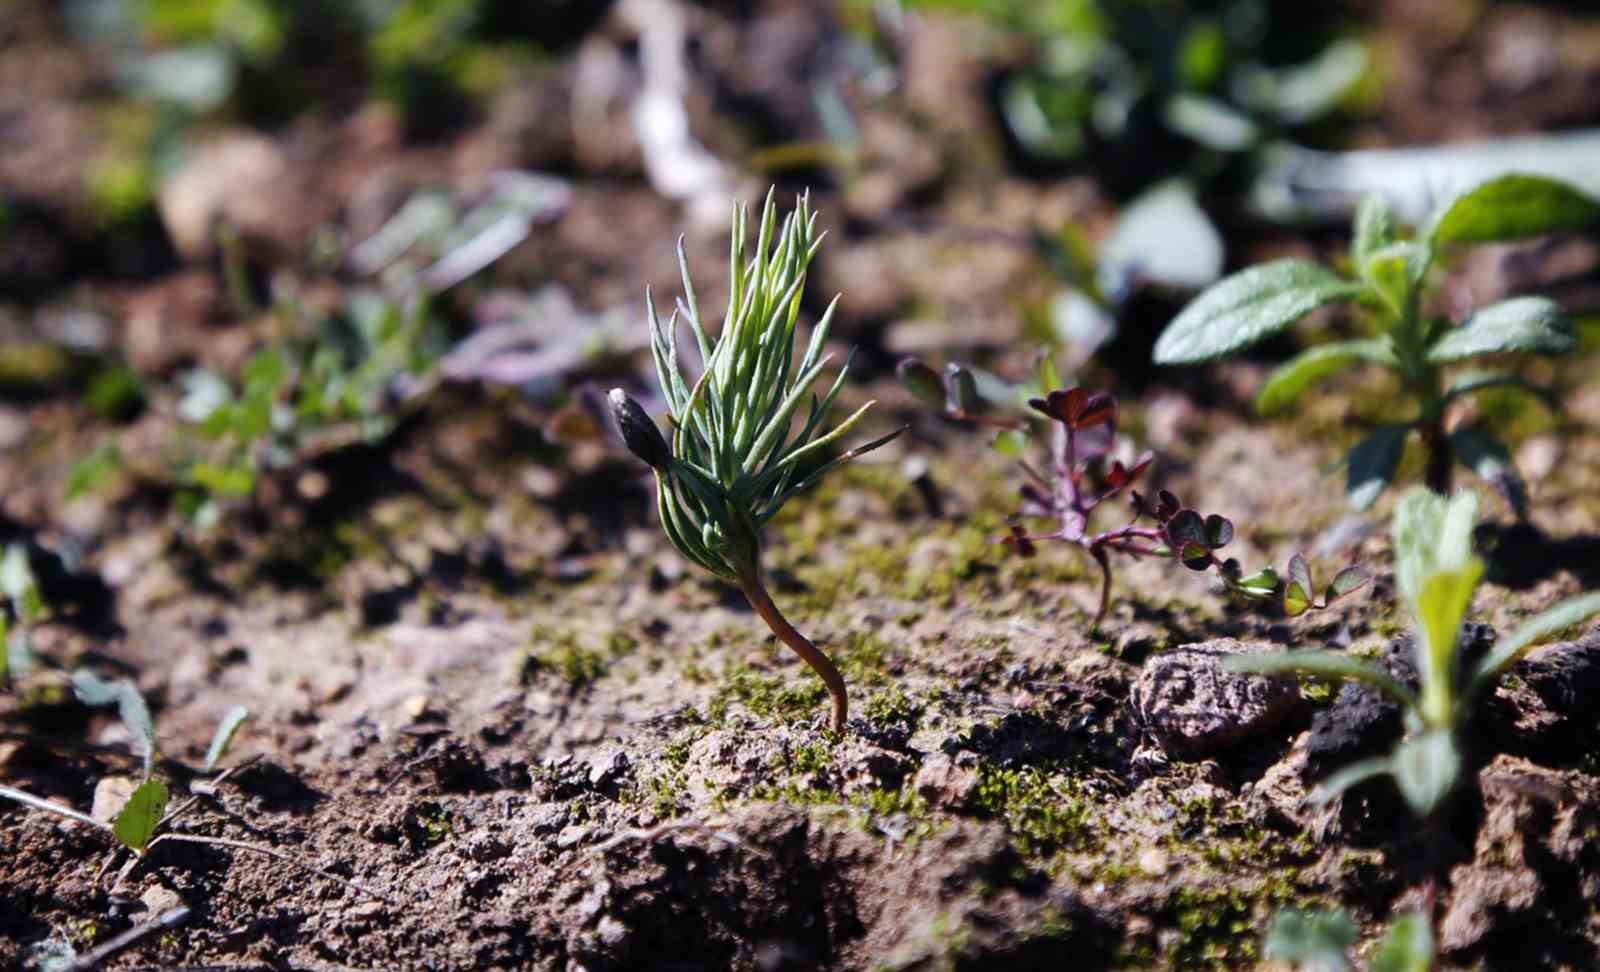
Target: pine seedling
[736,456]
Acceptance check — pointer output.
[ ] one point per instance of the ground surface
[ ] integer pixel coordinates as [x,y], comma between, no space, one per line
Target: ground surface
[484,688]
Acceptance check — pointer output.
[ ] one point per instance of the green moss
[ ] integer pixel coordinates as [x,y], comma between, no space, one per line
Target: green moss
[892,706]
[434,825]
[1041,809]
[564,656]
[775,698]
[1216,928]
[811,758]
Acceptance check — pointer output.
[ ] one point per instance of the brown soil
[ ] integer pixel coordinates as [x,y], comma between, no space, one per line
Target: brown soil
[484,688]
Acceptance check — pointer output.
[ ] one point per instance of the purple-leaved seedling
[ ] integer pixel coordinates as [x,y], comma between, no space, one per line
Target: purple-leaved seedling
[1081,476]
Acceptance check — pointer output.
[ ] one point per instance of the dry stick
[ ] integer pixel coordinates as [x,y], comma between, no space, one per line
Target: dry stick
[50,806]
[170,918]
[757,595]
[39,803]
[671,826]
[220,778]
[275,853]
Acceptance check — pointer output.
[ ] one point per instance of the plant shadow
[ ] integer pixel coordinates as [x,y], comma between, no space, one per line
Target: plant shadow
[1521,555]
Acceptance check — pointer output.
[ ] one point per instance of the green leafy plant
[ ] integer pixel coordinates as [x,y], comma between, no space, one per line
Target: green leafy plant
[1389,286]
[1436,573]
[350,379]
[735,457]
[1209,77]
[1320,941]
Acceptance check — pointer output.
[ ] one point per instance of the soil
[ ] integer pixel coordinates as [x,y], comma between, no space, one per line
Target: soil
[487,693]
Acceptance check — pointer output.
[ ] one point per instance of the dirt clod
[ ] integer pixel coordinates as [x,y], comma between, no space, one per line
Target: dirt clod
[1194,708]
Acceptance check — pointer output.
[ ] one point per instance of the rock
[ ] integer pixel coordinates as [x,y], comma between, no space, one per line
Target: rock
[1193,708]
[573,835]
[608,768]
[484,848]
[158,898]
[725,758]
[1549,699]
[610,931]
[237,178]
[367,909]
[415,708]
[1101,673]
[111,795]
[1532,865]
[944,782]
[1154,861]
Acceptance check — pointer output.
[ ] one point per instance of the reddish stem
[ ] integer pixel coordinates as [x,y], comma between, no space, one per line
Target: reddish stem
[757,595]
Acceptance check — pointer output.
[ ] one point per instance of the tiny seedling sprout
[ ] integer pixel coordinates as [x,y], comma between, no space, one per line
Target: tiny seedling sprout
[734,458]
[1436,573]
[1081,476]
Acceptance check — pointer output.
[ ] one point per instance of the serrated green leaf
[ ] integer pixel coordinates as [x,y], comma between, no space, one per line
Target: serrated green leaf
[1482,453]
[1408,947]
[1303,92]
[1426,768]
[265,371]
[1211,122]
[1430,534]
[91,472]
[205,392]
[1470,382]
[1534,631]
[1441,607]
[136,823]
[18,651]
[1533,325]
[222,739]
[1513,207]
[1248,306]
[1291,379]
[1372,463]
[234,482]
[1376,226]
